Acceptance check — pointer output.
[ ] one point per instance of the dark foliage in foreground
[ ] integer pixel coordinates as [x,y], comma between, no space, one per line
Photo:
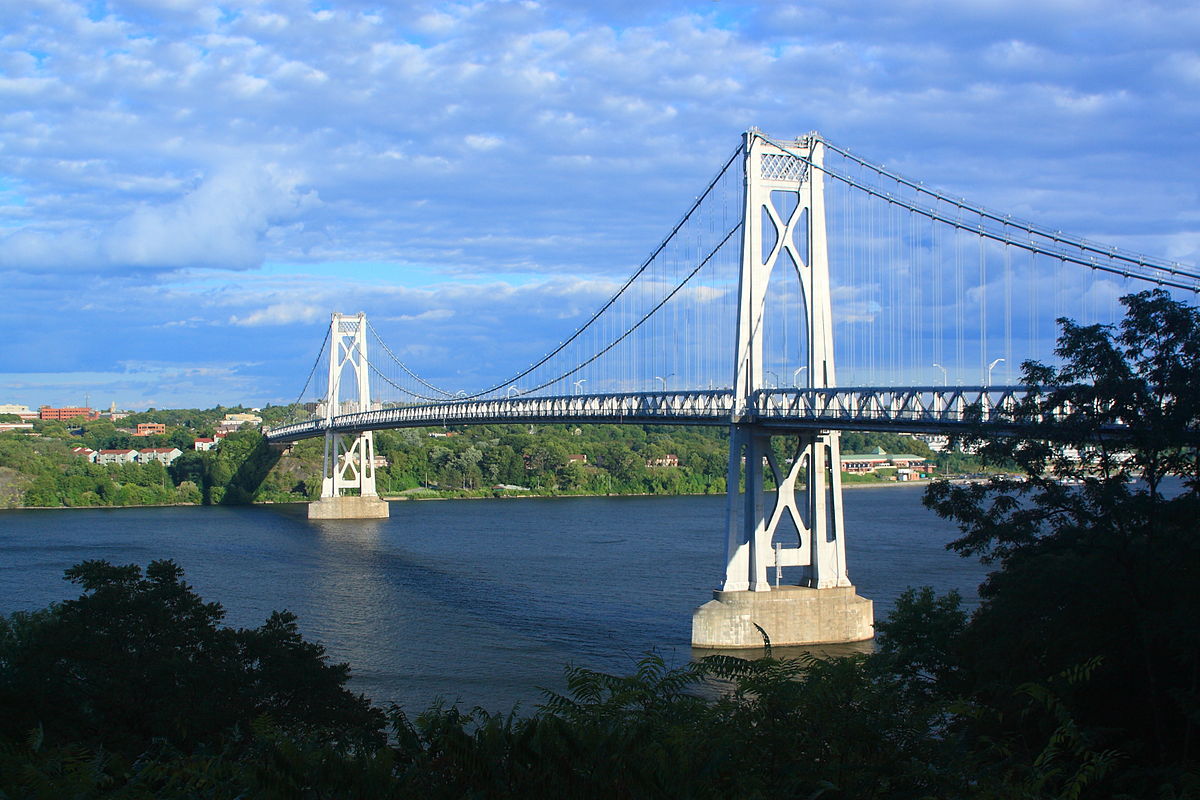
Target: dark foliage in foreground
[121,708]
[138,660]
[1098,548]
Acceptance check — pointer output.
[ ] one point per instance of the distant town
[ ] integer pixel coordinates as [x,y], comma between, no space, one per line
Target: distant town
[164,455]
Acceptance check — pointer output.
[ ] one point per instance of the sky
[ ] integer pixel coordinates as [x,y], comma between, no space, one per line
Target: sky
[189,189]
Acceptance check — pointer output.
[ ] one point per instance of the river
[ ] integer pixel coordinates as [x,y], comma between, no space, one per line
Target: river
[477,601]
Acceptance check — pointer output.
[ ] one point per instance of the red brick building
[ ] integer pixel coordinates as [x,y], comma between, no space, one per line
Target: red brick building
[46,412]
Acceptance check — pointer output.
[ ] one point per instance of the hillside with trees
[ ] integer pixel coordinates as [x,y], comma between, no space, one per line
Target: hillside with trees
[463,461]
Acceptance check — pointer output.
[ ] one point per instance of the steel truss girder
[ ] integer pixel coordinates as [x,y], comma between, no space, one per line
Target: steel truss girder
[915,409]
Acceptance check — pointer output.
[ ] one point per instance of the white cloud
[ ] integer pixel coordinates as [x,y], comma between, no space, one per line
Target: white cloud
[433,315]
[499,142]
[483,142]
[221,223]
[279,314]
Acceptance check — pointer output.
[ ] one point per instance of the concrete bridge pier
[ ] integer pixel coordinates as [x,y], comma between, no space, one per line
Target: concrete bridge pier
[348,507]
[784,615]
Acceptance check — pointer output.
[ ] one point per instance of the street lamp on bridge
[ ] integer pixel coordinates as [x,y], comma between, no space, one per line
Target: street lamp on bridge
[795,377]
[992,366]
[945,375]
[664,380]
[579,385]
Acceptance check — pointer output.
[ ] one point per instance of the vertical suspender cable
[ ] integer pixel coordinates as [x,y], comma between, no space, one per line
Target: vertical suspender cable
[983,311]
[1008,311]
[959,301]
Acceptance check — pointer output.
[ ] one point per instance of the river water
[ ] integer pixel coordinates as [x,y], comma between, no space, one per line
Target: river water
[477,601]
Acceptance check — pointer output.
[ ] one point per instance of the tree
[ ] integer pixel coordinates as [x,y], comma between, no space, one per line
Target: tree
[141,657]
[192,466]
[182,438]
[1098,552]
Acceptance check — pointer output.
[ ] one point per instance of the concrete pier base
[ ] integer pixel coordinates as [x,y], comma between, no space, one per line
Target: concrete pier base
[352,507]
[788,615]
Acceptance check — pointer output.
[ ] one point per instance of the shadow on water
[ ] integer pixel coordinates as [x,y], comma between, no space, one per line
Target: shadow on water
[445,591]
[822,651]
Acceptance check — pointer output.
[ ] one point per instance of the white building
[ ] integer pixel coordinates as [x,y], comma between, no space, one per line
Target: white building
[937,442]
[164,455]
[235,421]
[121,456]
[23,412]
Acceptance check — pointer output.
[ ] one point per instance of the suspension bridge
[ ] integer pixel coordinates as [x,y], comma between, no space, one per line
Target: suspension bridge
[798,255]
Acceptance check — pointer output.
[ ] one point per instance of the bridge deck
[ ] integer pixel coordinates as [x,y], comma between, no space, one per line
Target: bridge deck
[917,409]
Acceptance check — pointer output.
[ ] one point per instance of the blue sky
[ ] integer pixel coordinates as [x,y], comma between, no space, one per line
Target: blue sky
[188,189]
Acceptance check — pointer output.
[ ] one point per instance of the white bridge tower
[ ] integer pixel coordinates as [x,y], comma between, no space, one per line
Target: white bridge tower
[782,190]
[348,477]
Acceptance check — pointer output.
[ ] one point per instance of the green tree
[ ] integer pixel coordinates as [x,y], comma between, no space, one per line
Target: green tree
[188,492]
[1098,552]
[183,438]
[192,466]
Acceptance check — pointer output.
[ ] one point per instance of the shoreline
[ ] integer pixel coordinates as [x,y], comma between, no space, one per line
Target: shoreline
[434,497]
[531,496]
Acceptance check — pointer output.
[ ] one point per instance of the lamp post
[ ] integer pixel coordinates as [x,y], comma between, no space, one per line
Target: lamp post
[795,377]
[776,386]
[664,380]
[579,385]
[510,391]
[945,375]
[992,366]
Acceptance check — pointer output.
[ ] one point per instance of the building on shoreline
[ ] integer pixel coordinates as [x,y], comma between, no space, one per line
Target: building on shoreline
[907,466]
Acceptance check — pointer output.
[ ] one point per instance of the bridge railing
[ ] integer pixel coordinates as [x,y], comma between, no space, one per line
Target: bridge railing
[912,409]
[915,409]
[702,407]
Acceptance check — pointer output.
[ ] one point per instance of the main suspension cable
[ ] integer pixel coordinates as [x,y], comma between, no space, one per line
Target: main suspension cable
[313,371]
[1151,271]
[404,367]
[641,321]
[1148,262]
[645,265]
